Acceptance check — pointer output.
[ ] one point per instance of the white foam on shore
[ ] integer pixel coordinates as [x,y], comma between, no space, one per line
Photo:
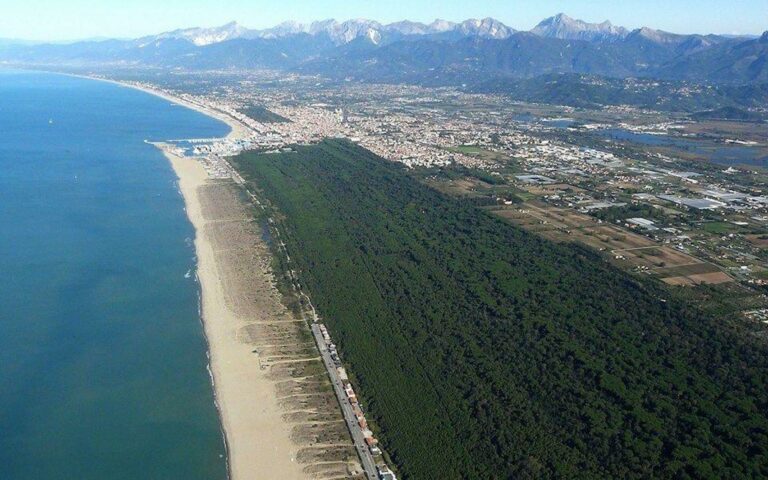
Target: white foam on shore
[210,371]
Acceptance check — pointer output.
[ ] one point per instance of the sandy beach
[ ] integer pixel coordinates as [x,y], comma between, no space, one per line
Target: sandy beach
[238,130]
[279,415]
[258,439]
[280,419]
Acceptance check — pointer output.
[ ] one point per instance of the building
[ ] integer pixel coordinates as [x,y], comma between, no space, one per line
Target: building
[385,473]
[643,223]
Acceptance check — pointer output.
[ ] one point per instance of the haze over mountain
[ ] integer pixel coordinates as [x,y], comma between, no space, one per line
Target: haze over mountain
[441,52]
[343,32]
[566,28]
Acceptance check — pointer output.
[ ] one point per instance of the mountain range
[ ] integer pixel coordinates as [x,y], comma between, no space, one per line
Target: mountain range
[441,52]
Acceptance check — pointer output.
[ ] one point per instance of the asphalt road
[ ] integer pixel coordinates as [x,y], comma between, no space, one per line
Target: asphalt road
[357,434]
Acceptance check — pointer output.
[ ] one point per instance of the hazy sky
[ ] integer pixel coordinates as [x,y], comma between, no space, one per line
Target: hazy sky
[74,19]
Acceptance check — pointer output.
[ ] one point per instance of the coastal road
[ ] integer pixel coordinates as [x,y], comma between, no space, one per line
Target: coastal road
[357,434]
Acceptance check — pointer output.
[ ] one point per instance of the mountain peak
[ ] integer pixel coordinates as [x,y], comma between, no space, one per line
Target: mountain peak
[487,27]
[202,36]
[407,27]
[560,18]
[440,25]
[657,36]
[566,28]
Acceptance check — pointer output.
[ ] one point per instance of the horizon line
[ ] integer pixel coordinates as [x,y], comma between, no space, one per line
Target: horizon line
[103,37]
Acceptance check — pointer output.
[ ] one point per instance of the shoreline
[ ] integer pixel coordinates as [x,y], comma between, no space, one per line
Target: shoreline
[246,458]
[237,129]
[255,436]
[274,418]
[247,452]
[208,366]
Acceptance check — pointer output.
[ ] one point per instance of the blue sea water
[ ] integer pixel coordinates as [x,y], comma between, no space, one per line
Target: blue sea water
[717,153]
[103,368]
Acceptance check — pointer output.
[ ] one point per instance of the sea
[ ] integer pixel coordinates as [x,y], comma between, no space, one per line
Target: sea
[103,359]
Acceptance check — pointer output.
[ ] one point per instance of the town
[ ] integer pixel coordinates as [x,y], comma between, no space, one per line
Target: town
[625,190]
[621,180]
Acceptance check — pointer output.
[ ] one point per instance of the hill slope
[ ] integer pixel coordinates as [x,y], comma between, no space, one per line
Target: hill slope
[590,91]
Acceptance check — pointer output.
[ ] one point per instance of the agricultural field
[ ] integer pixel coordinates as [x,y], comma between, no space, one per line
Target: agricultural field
[622,247]
[720,228]
[481,153]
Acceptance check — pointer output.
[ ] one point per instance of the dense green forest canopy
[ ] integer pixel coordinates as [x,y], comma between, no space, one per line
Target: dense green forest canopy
[261,114]
[483,351]
[728,113]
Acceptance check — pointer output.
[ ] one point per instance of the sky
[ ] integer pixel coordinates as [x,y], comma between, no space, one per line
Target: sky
[56,20]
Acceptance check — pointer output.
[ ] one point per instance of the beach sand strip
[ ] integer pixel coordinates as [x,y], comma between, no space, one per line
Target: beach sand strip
[280,417]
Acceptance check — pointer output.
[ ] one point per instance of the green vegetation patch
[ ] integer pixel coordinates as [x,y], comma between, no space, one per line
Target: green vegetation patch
[483,351]
[261,114]
[728,113]
[631,210]
[468,149]
[720,228]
